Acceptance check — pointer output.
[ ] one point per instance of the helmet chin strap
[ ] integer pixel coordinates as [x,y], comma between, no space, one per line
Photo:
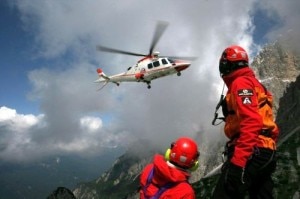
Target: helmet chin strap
[217,108]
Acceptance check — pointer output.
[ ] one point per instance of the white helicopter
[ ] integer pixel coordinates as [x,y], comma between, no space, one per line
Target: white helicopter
[150,67]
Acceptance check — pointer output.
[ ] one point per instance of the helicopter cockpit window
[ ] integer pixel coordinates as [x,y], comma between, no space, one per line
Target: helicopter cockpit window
[164,61]
[150,65]
[129,68]
[171,61]
[156,64]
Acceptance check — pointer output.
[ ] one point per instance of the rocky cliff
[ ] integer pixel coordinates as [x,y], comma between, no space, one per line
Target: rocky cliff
[289,109]
[122,180]
[276,67]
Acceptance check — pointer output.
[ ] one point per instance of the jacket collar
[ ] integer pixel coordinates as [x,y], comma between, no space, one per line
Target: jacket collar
[228,79]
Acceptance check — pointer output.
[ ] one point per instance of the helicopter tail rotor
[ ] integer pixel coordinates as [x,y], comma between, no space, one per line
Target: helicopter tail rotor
[105,83]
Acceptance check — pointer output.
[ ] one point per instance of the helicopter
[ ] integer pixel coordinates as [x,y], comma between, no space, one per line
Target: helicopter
[150,67]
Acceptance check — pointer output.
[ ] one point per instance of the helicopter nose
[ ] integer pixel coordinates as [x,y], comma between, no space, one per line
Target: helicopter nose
[182,66]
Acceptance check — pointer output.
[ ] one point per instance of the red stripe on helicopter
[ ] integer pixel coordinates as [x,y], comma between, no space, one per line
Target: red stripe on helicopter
[99,70]
[147,57]
[182,67]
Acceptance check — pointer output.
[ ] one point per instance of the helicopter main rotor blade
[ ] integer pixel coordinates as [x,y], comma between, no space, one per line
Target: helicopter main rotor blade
[159,30]
[112,50]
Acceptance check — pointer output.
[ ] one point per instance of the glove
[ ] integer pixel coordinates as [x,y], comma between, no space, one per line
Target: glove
[234,180]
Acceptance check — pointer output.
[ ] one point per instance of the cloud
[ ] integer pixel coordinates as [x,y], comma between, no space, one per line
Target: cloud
[19,131]
[76,118]
[14,130]
[91,124]
[18,122]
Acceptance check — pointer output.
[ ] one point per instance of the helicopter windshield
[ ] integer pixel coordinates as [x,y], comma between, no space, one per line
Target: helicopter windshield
[171,61]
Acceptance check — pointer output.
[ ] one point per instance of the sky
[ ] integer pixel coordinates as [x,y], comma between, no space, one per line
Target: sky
[49,103]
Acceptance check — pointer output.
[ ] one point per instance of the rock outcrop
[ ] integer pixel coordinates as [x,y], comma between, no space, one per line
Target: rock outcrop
[276,67]
[61,193]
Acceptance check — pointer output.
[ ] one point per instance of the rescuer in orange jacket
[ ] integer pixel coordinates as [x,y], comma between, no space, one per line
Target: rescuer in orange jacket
[250,127]
[167,177]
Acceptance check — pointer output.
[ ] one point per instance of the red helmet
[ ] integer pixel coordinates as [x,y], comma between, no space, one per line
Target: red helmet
[184,153]
[232,58]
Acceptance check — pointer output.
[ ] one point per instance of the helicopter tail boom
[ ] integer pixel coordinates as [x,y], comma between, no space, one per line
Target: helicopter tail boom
[104,78]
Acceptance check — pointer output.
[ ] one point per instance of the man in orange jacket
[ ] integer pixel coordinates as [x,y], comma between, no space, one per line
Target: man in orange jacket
[167,177]
[250,127]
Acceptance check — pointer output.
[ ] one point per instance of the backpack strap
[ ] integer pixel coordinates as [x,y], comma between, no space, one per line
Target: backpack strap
[162,190]
[149,179]
[150,176]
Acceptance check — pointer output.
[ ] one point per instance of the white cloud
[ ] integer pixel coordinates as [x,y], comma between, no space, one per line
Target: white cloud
[92,124]
[17,122]
[19,134]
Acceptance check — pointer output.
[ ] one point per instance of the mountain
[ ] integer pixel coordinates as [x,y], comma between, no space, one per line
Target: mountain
[36,180]
[278,68]
[123,177]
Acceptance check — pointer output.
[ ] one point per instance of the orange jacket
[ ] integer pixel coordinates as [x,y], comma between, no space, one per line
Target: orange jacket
[164,173]
[250,111]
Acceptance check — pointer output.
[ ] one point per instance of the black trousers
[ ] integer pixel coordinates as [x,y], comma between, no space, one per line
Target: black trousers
[257,177]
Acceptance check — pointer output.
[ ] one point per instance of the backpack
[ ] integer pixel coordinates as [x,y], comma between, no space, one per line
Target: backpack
[161,190]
